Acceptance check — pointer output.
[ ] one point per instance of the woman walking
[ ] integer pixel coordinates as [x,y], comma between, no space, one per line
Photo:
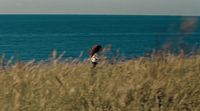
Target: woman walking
[94,54]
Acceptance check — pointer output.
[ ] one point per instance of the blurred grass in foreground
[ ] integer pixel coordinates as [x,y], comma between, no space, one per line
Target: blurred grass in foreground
[170,83]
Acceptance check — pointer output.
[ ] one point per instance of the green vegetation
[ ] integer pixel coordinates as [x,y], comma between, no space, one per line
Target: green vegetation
[170,83]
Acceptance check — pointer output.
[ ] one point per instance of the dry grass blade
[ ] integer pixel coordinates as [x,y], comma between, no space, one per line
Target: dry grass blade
[166,83]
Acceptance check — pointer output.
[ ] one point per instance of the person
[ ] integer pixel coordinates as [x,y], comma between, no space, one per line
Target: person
[94,54]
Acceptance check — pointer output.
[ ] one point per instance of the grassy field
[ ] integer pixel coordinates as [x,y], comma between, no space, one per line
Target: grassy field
[170,83]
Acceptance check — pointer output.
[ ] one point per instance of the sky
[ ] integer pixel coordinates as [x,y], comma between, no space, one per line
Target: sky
[127,7]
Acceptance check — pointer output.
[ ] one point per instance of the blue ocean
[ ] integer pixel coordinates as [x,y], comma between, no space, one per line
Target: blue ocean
[27,37]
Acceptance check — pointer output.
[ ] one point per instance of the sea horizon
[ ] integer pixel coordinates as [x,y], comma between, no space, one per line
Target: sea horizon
[102,14]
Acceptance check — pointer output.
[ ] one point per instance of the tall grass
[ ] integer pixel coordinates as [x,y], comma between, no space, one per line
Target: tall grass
[170,83]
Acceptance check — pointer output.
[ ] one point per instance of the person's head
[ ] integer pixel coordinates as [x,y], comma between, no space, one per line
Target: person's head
[95,49]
